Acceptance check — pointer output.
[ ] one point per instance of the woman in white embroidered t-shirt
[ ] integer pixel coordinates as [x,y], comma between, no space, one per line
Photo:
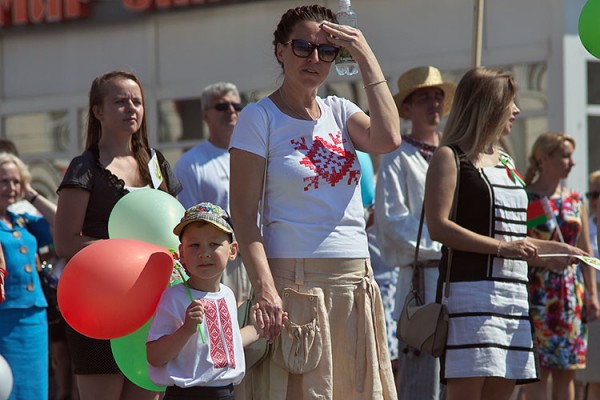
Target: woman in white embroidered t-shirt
[311,258]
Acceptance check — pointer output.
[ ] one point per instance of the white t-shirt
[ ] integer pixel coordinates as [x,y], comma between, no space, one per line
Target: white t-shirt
[313,205]
[399,194]
[204,174]
[220,361]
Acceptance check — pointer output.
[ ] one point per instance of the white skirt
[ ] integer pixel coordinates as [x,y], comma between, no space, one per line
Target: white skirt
[490,332]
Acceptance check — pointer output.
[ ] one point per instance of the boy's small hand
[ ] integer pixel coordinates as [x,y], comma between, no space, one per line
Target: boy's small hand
[194,315]
[284,317]
[256,318]
[253,313]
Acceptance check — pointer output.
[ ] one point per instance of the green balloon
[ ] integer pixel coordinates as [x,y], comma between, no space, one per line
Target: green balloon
[130,354]
[589,27]
[148,215]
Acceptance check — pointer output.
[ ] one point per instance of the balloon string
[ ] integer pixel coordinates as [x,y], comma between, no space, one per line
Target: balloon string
[189,292]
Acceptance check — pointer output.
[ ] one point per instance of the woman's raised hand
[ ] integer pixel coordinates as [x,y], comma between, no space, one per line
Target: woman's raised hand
[348,37]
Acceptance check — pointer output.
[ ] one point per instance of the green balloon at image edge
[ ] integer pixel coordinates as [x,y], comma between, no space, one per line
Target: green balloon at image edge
[589,27]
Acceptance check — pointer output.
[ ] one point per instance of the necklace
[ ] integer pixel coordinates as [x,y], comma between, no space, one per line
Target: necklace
[296,113]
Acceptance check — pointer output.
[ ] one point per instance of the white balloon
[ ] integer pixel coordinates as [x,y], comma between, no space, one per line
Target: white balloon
[6,379]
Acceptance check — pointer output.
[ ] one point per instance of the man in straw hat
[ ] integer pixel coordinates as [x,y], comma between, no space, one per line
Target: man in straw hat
[423,98]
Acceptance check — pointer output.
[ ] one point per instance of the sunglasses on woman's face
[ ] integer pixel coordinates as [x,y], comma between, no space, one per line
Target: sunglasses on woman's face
[224,106]
[303,49]
[592,195]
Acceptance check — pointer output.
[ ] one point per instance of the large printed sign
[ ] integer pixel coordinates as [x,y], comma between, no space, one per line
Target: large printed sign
[32,12]
[22,12]
[145,5]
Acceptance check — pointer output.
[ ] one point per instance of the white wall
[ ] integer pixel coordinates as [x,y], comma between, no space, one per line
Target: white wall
[177,53]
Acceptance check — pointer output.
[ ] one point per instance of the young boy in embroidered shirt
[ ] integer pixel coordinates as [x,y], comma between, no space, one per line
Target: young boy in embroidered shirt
[177,356]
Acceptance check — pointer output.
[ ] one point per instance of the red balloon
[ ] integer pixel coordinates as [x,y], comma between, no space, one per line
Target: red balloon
[111,288]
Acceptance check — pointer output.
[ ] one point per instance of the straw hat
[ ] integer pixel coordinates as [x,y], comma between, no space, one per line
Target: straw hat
[423,77]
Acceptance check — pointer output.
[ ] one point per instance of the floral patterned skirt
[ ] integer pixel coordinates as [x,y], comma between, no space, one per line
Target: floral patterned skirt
[557,309]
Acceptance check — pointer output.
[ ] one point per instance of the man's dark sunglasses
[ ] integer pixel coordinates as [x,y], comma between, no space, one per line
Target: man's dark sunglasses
[592,195]
[224,106]
[304,49]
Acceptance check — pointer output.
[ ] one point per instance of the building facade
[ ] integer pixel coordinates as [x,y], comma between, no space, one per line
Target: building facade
[50,50]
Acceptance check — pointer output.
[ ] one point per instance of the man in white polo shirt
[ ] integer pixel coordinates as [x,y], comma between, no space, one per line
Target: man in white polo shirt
[204,170]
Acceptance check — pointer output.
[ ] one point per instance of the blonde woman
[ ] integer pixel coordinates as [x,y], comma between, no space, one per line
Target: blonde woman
[559,301]
[23,320]
[490,345]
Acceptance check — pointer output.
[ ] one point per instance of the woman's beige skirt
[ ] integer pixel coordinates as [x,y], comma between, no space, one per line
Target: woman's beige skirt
[335,345]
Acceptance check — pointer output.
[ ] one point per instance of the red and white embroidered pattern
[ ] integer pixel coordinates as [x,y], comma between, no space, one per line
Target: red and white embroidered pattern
[330,161]
[227,330]
[220,332]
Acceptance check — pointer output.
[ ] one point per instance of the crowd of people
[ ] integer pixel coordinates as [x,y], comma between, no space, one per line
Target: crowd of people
[287,203]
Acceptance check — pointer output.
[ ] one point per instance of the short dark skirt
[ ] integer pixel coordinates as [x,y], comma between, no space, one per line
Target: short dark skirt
[90,356]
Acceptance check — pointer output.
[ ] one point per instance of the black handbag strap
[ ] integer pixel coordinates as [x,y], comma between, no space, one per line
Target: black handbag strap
[416,274]
[416,281]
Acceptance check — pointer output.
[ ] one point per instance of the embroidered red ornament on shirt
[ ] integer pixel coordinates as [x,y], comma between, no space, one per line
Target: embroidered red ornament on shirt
[330,161]
[220,333]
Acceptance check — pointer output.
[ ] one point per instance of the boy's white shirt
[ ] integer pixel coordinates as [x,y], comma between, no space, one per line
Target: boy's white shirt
[218,362]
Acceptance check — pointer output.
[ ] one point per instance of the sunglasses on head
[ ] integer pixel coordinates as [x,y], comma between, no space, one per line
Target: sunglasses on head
[592,195]
[303,49]
[224,106]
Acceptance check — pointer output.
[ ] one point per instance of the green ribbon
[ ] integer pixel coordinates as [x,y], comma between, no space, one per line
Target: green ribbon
[189,292]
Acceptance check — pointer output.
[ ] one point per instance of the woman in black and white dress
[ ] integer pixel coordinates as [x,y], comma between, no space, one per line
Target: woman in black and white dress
[490,342]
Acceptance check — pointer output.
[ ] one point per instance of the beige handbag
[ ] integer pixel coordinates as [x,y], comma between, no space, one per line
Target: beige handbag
[425,326]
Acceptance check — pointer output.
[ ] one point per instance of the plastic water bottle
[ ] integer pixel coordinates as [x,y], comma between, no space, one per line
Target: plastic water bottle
[344,63]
